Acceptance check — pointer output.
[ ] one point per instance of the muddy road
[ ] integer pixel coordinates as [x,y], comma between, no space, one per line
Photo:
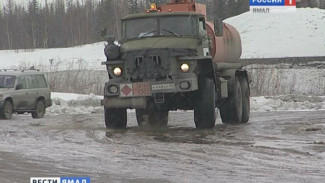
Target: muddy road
[272,147]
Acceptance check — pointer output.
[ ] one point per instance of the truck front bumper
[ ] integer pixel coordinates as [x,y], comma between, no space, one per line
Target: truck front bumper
[134,95]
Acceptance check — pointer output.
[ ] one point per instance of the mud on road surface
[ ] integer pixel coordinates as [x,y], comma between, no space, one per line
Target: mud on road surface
[272,147]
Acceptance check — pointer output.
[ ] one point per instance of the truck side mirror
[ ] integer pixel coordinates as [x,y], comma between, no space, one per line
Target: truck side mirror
[110,39]
[218,27]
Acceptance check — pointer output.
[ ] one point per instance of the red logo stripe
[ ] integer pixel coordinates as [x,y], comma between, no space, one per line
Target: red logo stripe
[290,2]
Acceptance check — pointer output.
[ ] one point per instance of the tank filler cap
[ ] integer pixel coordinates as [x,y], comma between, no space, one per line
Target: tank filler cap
[153,8]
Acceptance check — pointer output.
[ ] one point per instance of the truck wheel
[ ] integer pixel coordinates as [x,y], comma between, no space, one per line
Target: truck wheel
[204,111]
[7,110]
[39,110]
[232,110]
[115,118]
[151,117]
[246,99]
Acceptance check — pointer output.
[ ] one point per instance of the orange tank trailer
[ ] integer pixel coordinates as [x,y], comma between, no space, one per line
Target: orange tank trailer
[226,48]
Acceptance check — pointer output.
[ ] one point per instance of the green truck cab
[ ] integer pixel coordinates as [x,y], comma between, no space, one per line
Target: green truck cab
[164,63]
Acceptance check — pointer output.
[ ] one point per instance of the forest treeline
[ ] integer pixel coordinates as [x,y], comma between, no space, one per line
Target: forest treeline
[66,23]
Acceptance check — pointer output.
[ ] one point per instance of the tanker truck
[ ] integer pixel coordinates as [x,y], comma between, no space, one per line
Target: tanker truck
[171,58]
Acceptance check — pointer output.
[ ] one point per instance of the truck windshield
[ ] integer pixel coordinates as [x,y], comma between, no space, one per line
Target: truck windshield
[7,81]
[138,28]
[177,26]
[160,26]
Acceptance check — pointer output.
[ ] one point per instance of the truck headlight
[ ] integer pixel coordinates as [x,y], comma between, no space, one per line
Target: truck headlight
[117,71]
[185,67]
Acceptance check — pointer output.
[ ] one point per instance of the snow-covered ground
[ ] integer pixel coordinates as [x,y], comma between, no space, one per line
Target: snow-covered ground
[284,79]
[86,56]
[65,103]
[282,35]
[288,103]
[263,36]
[69,103]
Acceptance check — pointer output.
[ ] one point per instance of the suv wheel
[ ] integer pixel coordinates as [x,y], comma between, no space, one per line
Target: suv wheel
[39,110]
[7,110]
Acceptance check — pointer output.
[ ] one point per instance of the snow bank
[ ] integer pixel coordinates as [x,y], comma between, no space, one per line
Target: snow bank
[87,56]
[284,79]
[73,96]
[66,103]
[282,35]
[287,103]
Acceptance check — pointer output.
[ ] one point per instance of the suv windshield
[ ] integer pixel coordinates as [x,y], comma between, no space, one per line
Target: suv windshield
[7,81]
[160,26]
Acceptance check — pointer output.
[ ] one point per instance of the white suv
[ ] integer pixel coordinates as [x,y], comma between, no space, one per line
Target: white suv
[23,91]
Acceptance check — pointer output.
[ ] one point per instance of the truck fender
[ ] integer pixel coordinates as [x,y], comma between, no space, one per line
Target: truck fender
[230,76]
[207,68]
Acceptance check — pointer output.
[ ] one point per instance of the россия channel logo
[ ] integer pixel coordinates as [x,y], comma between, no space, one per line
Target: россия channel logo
[60,180]
[272,6]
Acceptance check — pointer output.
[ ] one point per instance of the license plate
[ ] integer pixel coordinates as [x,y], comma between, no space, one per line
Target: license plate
[141,89]
[169,86]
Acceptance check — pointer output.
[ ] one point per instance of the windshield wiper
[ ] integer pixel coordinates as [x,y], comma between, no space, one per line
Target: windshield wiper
[174,33]
[147,33]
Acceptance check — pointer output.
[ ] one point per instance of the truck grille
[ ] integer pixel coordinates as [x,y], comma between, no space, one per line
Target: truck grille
[155,59]
[150,67]
[151,63]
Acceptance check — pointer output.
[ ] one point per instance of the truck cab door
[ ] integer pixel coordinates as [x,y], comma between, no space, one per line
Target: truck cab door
[205,38]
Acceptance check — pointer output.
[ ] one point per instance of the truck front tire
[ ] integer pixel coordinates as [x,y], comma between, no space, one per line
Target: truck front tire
[232,110]
[115,118]
[204,111]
